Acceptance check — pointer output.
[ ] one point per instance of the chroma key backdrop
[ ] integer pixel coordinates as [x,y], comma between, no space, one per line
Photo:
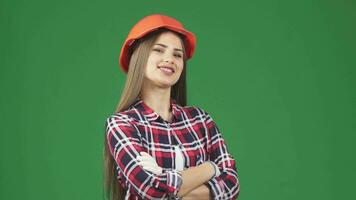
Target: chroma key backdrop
[278,77]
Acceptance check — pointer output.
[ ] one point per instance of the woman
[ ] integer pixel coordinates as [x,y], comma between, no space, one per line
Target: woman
[156,147]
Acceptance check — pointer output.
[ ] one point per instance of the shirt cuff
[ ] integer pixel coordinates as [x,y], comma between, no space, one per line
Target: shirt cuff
[174,183]
[216,168]
[216,187]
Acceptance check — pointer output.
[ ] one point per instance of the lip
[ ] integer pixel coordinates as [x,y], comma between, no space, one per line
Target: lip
[169,67]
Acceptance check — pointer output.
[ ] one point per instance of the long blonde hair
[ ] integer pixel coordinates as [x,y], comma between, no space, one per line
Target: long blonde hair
[131,92]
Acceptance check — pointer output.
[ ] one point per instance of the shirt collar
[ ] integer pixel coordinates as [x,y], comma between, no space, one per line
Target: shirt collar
[151,115]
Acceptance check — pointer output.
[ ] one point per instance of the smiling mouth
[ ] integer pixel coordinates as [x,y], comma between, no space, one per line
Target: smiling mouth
[167,69]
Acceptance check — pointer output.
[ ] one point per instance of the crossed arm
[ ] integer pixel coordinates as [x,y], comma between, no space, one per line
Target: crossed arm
[125,145]
[192,187]
[193,182]
[200,193]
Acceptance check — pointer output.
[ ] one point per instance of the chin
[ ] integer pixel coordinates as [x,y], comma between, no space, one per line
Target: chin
[166,84]
[161,82]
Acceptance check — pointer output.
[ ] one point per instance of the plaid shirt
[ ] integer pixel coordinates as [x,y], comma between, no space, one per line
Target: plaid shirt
[192,129]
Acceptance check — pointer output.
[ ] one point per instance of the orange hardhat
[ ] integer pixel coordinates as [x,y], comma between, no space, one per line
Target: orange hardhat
[149,24]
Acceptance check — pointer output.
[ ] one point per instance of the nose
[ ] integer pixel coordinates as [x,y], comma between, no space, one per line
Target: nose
[168,59]
[169,62]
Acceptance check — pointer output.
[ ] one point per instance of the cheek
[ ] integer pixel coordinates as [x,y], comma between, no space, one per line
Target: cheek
[151,64]
[180,66]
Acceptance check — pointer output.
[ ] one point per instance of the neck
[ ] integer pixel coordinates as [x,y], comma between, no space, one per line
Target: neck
[158,99]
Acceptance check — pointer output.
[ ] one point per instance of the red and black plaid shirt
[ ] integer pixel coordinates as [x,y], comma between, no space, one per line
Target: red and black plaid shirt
[192,129]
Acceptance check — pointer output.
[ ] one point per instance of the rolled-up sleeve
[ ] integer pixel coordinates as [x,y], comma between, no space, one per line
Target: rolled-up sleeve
[226,185]
[125,145]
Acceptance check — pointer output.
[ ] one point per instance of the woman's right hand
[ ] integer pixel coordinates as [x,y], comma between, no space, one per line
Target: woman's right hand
[149,163]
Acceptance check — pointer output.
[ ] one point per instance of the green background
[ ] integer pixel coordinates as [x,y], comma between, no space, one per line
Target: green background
[278,77]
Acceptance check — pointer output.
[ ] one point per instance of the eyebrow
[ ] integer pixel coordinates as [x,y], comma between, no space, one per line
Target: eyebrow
[166,47]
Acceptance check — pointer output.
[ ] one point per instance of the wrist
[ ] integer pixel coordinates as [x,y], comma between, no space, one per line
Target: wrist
[212,169]
[216,168]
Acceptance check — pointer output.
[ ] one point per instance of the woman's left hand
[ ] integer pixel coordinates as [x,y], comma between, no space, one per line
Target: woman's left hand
[149,163]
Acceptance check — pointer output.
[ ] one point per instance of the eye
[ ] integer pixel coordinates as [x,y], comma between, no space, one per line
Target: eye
[178,55]
[158,50]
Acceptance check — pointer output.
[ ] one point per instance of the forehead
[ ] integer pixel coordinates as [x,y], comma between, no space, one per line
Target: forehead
[169,39]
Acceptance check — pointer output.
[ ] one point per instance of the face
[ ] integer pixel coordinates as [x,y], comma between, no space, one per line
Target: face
[165,61]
